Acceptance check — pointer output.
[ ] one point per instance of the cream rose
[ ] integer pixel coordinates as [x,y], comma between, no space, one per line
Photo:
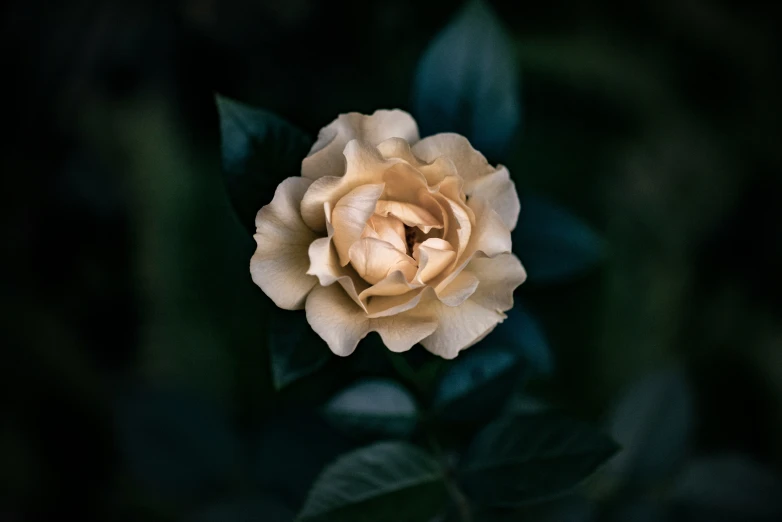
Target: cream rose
[385,232]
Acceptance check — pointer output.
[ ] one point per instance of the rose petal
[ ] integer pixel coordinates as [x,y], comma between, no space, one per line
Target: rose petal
[388,229]
[469,163]
[279,265]
[458,327]
[433,255]
[459,289]
[324,264]
[350,216]
[490,234]
[461,227]
[342,324]
[374,259]
[395,283]
[336,318]
[385,306]
[325,157]
[400,333]
[497,188]
[499,276]
[365,166]
[409,214]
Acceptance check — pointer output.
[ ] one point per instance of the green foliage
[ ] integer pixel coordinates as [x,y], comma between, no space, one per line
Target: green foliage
[295,350]
[260,150]
[553,244]
[384,482]
[374,407]
[177,444]
[467,82]
[253,509]
[526,458]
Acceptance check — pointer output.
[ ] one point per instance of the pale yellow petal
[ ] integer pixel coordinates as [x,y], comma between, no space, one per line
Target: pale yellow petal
[350,216]
[433,255]
[279,265]
[499,277]
[324,264]
[461,227]
[458,289]
[400,332]
[365,166]
[326,158]
[409,214]
[490,235]
[388,229]
[458,327]
[469,163]
[497,188]
[336,318]
[395,283]
[374,259]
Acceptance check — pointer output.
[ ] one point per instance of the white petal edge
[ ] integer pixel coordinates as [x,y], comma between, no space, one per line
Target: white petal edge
[499,276]
[499,189]
[280,263]
[326,159]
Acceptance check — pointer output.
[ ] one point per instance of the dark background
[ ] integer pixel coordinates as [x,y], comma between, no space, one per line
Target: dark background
[658,123]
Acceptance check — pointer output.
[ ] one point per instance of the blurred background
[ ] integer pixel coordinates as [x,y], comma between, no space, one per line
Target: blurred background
[658,124]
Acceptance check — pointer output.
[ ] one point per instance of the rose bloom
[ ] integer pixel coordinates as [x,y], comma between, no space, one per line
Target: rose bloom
[388,233]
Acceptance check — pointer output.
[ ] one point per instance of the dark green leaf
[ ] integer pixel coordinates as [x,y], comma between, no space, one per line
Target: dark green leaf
[384,482]
[477,383]
[292,451]
[260,150]
[522,333]
[467,81]
[553,244]
[728,488]
[177,444]
[653,423]
[265,508]
[374,407]
[295,349]
[526,458]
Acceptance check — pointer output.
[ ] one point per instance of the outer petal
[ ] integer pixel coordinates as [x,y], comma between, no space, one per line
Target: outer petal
[499,189]
[342,324]
[350,217]
[279,265]
[458,327]
[499,276]
[490,235]
[400,332]
[434,171]
[336,318]
[325,157]
[470,163]
[459,289]
[365,166]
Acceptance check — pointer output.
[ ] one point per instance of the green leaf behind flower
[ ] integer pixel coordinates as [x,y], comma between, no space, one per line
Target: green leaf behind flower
[259,151]
[467,82]
[373,407]
[531,457]
[295,349]
[384,482]
[553,245]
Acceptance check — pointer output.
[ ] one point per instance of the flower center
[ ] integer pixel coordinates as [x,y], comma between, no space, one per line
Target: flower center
[411,234]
